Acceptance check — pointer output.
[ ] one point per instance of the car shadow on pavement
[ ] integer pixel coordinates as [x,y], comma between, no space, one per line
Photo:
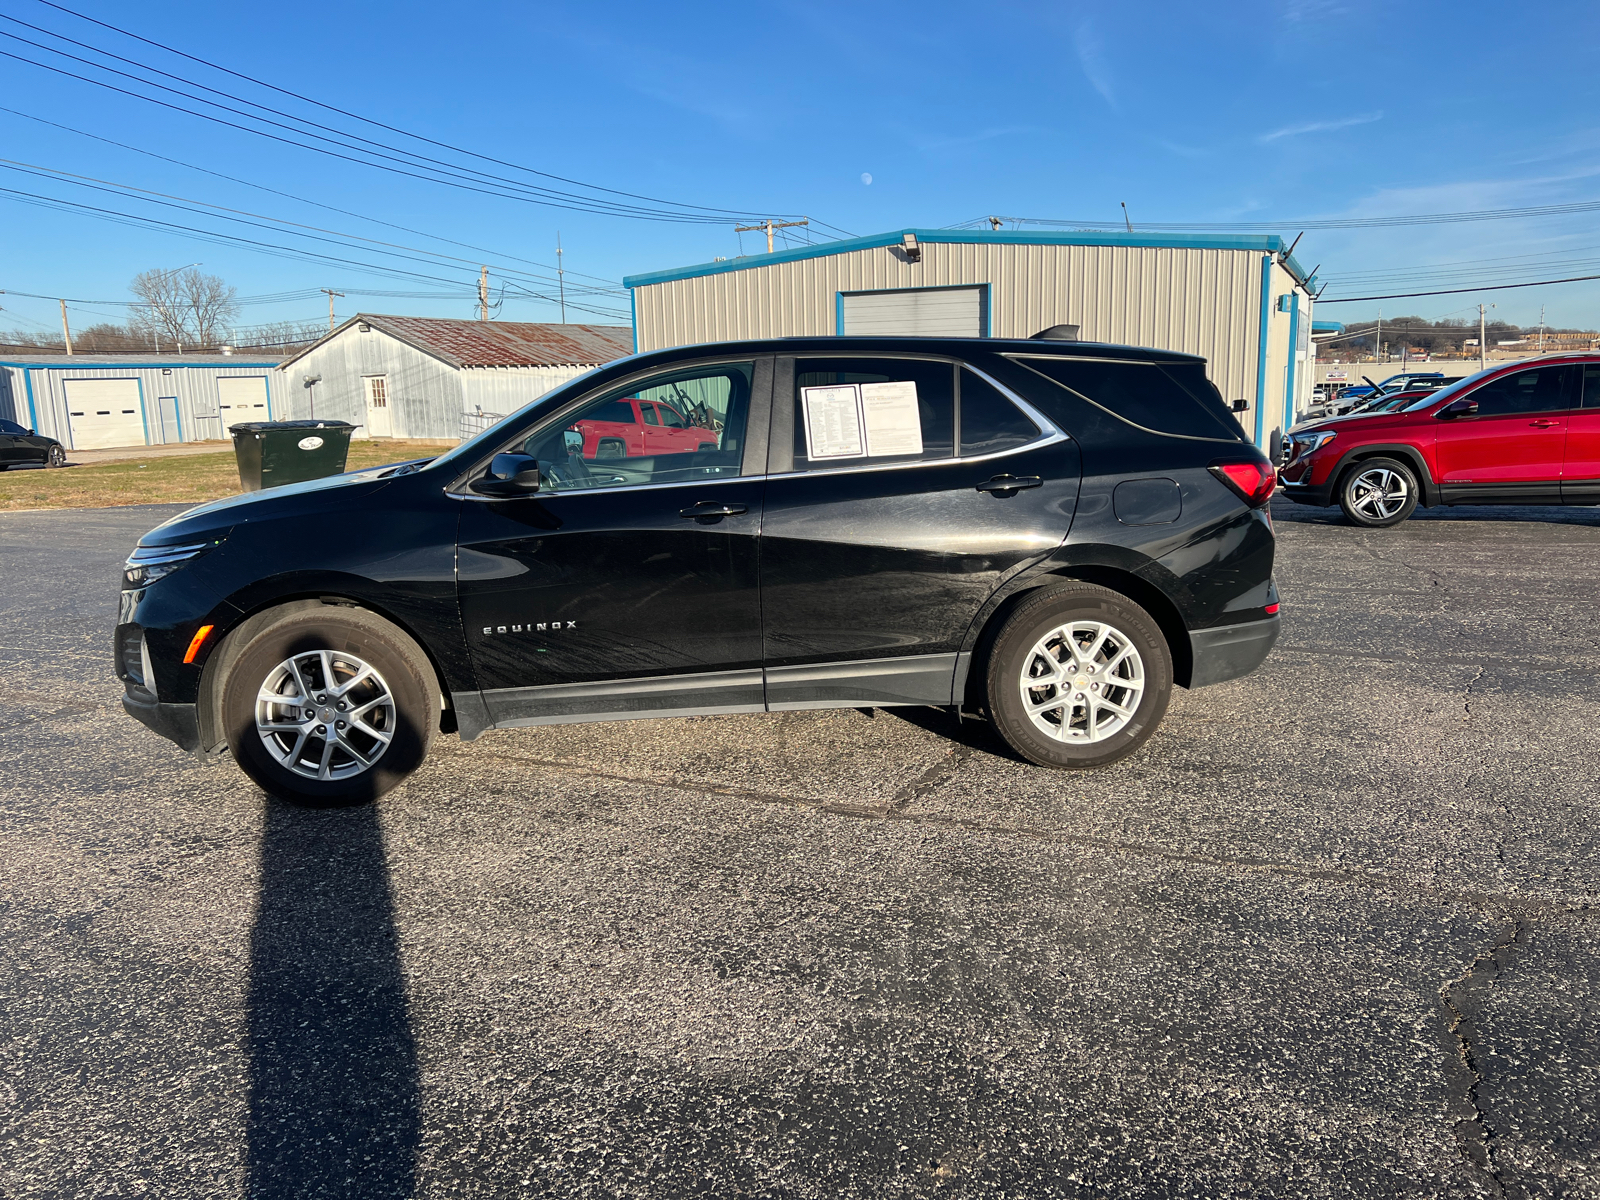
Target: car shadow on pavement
[975,733]
[1541,514]
[334,1104]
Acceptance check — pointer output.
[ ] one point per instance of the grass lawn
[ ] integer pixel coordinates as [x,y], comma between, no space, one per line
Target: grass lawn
[181,479]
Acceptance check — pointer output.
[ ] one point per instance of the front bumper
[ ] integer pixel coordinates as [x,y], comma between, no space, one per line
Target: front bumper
[1229,651]
[178,723]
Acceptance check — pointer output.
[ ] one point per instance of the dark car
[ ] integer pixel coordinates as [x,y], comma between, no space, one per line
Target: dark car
[1049,533]
[1527,433]
[19,445]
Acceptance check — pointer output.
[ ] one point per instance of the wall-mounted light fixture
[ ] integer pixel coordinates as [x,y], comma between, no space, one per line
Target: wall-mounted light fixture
[166,370]
[913,251]
[364,327]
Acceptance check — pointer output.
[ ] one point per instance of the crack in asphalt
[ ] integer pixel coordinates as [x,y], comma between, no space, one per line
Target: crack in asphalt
[1457,999]
[1495,904]
[936,776]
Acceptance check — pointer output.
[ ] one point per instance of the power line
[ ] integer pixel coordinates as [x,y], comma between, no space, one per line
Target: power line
[1496,287]
[290,195]
[1486,214]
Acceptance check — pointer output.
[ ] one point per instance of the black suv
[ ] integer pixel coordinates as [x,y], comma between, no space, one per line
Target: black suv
[1050,533]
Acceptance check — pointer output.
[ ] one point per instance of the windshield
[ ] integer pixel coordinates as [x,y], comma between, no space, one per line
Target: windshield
[470,448]
[1448,393]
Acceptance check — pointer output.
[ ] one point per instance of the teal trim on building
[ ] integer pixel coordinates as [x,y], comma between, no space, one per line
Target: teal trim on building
[27,386]
[1261,348]
[1267,243]
[1327,327]
[59,365]
[1294,361]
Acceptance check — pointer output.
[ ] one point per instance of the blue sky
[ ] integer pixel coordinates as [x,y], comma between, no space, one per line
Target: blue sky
[1277,112]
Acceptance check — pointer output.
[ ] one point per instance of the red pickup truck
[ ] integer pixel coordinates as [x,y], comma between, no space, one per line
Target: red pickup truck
[632,427]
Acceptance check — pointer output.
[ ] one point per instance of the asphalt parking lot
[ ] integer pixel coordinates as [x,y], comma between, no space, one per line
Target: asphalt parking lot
[1331,934]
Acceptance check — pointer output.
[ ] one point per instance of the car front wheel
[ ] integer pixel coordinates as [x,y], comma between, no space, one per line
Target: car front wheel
[330,706]
[1379,492]
[55,457]
[1079,677]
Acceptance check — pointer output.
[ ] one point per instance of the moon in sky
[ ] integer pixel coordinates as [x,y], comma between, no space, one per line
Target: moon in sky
[866,178]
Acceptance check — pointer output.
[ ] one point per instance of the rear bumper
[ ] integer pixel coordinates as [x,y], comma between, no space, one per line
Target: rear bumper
[1229,651]
[178,723]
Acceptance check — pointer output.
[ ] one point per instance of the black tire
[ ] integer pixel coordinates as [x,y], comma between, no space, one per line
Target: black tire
[55,457]
[1379,492]
[1013,652]
[350,635]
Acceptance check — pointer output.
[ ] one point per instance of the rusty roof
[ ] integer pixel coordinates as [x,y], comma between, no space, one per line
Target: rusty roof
[506,343]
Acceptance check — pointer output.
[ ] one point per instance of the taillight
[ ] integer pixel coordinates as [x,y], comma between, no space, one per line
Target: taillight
[1253,480]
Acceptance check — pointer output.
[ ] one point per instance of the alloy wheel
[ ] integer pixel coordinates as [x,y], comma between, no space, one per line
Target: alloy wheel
[325,715]
[1082,682]
[1379,493]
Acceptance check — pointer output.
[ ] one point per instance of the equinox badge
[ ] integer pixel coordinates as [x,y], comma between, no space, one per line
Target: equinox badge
[540,627]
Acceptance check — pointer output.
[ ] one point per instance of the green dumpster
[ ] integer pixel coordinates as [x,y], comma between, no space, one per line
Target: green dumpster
[270,453]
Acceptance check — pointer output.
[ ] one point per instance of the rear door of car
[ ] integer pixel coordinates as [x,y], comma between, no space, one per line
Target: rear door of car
[1580,472]
[886,529]
[1512,448]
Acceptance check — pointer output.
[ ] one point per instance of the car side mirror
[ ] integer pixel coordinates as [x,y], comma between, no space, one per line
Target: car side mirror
[1240,406]
[572,439]
[1463,407]
[509,475]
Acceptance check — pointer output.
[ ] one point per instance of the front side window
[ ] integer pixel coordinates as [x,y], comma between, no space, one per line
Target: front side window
[616,439]
[12,427]
[851,412]
[1543,389]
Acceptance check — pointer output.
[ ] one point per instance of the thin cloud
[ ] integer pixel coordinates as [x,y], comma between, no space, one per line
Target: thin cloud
[1319,127]
[1092,58]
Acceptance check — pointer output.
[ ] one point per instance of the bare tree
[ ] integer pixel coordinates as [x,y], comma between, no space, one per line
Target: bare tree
[182,306]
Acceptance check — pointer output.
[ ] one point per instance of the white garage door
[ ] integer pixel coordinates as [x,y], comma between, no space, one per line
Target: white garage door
[242,398]
[916,312]
[105,412]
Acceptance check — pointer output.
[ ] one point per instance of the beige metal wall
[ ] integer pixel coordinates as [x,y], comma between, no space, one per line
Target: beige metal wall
[1199,301]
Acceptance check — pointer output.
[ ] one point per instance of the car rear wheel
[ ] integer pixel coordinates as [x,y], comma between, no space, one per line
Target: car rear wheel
[1079,677]
[1379,492]
[330,706]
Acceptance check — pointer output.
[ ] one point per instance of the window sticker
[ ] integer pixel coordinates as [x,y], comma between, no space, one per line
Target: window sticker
[833,421]
[892,420]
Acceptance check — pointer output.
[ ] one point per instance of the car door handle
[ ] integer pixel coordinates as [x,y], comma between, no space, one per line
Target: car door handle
[1006,484]
[711,508]
[1543,424]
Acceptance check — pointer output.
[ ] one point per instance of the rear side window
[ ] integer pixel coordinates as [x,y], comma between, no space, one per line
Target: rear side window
[1544,389]
[619,411]
[1591,385]
[851,412]
[990,423]
[1171,398]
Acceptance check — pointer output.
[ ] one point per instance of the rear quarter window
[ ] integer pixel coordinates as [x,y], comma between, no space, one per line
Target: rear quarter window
[1169,398]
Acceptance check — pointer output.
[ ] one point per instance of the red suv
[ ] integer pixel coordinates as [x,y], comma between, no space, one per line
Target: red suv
[1527,433]
[632,427]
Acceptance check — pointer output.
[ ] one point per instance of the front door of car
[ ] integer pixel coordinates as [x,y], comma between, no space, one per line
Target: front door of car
[1512,447]
[625,585]
[1580,471]
[888,523]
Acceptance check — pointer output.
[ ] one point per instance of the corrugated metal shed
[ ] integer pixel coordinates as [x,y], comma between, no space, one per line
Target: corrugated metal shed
[439,378]
[1225,298]
[179,397]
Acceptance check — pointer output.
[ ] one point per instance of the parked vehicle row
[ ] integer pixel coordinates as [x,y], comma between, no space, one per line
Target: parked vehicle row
[1525,433]
[1052,534]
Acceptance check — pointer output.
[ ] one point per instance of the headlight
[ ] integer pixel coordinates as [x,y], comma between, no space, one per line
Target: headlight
[1310,443]
[149,563]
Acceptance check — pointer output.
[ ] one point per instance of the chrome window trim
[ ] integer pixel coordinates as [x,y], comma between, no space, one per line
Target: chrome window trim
[606,491]
[1187,437]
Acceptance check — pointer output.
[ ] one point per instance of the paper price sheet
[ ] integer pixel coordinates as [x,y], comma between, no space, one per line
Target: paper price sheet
[858,420]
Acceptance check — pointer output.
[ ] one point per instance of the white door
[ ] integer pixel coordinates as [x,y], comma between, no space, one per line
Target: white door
[379,423]
[105,412]
[242,398]
[915,312]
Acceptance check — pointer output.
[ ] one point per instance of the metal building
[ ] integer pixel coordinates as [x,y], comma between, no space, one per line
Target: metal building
[1241,301]
[91,401]
[424,377]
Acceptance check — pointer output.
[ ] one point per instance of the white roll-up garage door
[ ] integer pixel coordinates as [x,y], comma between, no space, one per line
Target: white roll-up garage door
[104,412]
[916,312]
[242,398]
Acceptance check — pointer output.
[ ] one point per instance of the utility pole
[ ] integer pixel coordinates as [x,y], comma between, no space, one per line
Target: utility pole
[769,225]
[65,332]
[331,295]
[1483,349]
[483,294]
[1377,346]
[1541,329]
[561,278]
